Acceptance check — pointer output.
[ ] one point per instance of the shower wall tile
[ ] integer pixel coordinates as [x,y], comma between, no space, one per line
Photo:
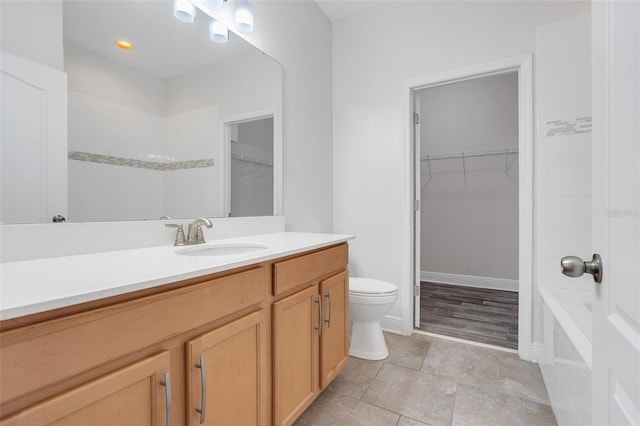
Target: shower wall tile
[141,164]
[569,127]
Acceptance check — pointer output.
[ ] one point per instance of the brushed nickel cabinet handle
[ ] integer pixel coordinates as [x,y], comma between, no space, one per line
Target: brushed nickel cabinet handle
[167,391]
[328,296]
[319,328]
[203,378]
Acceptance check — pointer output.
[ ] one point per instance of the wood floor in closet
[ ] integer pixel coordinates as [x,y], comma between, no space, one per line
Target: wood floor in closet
[477,314]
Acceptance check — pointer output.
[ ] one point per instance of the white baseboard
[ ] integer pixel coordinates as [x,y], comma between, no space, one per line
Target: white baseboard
[470,281]
[537,353]
[391,324]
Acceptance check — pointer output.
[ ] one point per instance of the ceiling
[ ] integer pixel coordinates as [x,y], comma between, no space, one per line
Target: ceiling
[340,9]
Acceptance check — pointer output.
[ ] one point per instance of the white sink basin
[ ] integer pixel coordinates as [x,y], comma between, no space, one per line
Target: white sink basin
[221,249]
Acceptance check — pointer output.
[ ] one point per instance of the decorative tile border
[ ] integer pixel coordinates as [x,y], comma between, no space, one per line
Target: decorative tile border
[563,128]
[141,164]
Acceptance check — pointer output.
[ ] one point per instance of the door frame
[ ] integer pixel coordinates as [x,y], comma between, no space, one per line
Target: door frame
[523,65]
[224,158]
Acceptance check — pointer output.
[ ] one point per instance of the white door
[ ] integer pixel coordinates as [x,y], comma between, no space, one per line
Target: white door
[34,141]
[616,211]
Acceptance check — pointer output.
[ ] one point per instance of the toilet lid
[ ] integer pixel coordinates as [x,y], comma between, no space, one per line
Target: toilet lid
[370,286]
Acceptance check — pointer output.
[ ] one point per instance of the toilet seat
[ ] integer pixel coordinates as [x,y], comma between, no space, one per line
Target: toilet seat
[371,288]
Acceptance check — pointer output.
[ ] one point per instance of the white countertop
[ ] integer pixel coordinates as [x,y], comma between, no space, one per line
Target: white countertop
[33,286]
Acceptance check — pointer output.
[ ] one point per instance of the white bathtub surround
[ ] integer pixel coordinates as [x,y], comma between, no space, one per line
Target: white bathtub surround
[25,242]
[566,366]
[563,159]
[563,214]
[33,286]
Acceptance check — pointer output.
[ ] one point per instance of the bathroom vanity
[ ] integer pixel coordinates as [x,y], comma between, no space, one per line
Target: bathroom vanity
[232,339]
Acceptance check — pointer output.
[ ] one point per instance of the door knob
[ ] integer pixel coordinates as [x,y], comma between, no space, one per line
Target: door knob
[573,266]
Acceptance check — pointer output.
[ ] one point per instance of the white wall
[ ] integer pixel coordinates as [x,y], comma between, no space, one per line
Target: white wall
[103,78]
[373,56]
[117,111]
[21,25]
[469,210]
[298,35]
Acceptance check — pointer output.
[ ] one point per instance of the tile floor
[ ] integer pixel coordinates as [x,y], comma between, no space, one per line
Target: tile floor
[432,381]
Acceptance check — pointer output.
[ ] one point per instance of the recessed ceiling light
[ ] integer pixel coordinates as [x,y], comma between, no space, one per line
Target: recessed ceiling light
[124,45]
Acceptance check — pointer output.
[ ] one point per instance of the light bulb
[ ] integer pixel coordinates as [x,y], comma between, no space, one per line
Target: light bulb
[184,10]
[218,32]
[244,16]
[213,4]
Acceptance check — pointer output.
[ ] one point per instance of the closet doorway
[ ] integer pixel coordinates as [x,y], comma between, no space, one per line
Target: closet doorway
[468,134]
[251,165]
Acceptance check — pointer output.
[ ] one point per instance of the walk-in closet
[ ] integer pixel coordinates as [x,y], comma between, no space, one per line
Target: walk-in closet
[467,135]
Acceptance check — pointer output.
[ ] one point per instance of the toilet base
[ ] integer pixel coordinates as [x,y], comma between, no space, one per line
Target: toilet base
[367,341]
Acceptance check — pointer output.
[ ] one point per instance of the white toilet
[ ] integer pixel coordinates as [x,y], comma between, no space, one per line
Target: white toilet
[369,301]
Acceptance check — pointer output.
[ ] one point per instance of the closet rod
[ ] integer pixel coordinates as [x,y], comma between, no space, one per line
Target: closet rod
[469,154]
[252,160]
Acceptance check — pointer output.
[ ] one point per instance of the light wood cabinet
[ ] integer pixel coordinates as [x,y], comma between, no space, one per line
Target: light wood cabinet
[133,395]
[310,329]
[334,340]
[227,374]
[254,346]
[42,364]
[295,354]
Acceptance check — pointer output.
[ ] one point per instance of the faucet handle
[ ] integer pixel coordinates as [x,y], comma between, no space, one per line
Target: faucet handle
[199,235]
[179,233]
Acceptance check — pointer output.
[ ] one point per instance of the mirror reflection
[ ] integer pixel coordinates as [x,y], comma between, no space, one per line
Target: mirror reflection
[251,167]
[150,128]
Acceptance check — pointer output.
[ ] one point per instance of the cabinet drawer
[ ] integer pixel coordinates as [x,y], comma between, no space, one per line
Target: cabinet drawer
[38,356]
[293,272]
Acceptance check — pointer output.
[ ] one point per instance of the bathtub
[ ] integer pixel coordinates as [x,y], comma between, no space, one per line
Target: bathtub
[566,367]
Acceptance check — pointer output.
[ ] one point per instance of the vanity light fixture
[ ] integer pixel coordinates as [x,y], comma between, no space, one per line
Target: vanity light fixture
[184,10]
[244,16]
[214,4]
[218,32]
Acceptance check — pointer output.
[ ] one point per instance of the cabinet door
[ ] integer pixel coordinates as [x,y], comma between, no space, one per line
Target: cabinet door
[334,340]
[133,395]
[227,374]
[295,354]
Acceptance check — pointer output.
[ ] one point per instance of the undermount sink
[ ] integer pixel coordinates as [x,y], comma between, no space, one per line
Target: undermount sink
[221,249]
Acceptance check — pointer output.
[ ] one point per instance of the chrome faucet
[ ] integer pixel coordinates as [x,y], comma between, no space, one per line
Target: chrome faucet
[194,233]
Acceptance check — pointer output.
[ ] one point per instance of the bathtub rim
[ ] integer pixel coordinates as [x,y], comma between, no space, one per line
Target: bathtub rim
[576,334]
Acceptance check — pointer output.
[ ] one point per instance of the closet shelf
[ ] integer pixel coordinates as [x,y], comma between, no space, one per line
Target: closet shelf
[469,154]
[252,160]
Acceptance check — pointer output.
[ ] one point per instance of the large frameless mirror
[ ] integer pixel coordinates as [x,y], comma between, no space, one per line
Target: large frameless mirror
[140,131]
